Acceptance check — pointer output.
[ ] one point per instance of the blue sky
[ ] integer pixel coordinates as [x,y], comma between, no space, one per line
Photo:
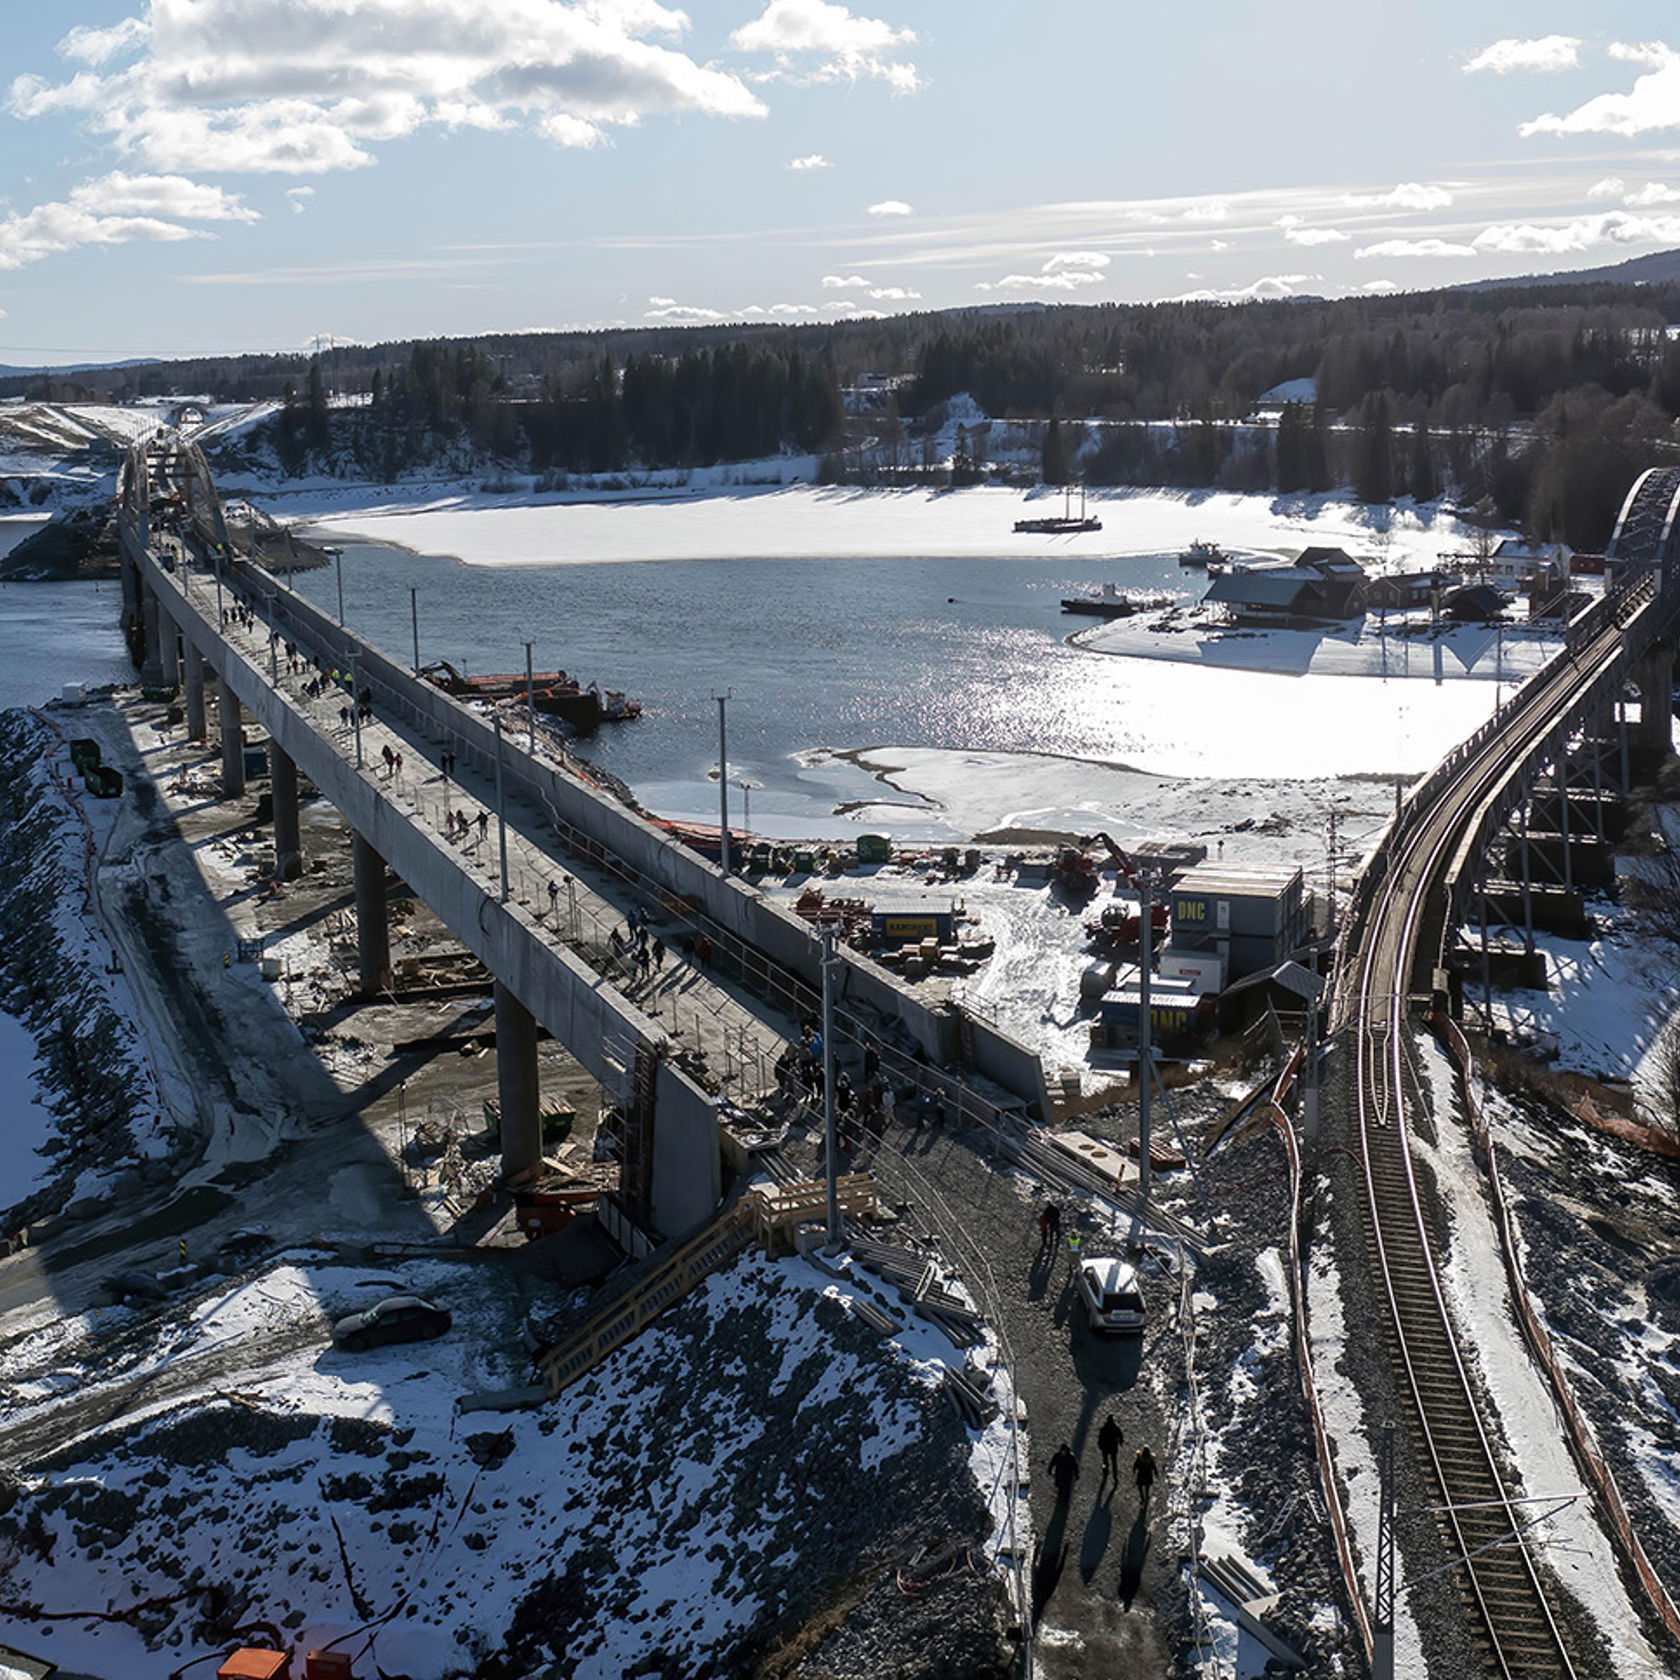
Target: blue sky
[202,176]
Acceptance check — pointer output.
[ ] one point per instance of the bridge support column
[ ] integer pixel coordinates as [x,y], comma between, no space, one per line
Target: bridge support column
[233,741]
[195,693]
[373,927]
[1655,676]
[288,837]
[169,650]
[516,1083]
[151,615]
[1562,769]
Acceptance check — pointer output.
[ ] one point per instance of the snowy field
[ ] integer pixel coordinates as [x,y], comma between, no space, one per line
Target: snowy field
[795,522]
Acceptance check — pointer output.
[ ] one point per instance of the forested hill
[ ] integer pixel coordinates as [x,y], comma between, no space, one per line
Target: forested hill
[1542,397]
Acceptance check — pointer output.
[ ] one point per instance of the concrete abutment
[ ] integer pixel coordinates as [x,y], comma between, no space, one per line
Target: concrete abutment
[233,741]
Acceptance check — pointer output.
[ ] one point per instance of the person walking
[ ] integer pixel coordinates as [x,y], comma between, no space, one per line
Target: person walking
[889,1101]
[1143,1472]
[658,955]
[1064,1472]
[1049,1225]
[483,824]
[1110,1438]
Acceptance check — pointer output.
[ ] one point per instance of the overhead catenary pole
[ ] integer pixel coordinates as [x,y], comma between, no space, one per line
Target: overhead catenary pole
[1382,1622]
[831,1140]
[501,807]
[414,620]
[723,781]
[338,566]
[1146,1052]
[356,709]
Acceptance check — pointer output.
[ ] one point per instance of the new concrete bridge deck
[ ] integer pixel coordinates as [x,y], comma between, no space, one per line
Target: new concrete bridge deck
[576,863]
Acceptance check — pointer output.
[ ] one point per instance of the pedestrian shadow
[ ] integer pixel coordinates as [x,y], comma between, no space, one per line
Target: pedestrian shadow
[1051,1559]
[1131,1564]
[1039,1273]
[1098,1527]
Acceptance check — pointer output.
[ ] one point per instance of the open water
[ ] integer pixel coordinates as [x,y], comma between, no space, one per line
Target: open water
[55,633]
[823,655]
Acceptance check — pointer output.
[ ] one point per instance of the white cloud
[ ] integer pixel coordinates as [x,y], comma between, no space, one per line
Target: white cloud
[96,46]
[1268,288]
[1612,186]
[812,160]
[1409,195]
[1652,54]
[1314,236]
[50,229]
[893,294]
[844,283]
[1653,102]
[1414,248]
[1064,260]
[305,86]
[1219,244]
[299,197]
[1207,210]
[170,196]
[1542,54]
[1065,271]
[816,41]
[1609,227]
[1379,288]
[668,309]
[792,309]
[890,207]
[1653,192]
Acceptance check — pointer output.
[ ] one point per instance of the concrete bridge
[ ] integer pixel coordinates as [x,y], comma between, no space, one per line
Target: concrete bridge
[516,897]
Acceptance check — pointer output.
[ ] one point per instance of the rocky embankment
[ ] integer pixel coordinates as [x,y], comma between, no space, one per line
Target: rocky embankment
[56,977]
[78,544]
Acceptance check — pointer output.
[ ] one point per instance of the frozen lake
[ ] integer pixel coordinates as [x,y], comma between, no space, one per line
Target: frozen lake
[944,655]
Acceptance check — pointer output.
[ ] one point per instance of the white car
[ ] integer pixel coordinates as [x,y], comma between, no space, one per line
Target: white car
[1113,1296]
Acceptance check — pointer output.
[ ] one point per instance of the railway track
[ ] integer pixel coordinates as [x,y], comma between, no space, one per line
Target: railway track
[1483,1519]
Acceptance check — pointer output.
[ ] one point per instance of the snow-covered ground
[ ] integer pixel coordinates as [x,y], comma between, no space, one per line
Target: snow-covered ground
[703,521]
[1400,647]
[642,1515]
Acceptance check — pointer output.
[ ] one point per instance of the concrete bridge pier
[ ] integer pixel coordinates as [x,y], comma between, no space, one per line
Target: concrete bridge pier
[233,741]
[516,1083]
[288,834]
[373,923]
[151,672]
[169,650]
[195,692]
[1653,740]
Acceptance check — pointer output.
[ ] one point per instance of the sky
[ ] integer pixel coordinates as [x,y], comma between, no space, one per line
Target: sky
[184,177]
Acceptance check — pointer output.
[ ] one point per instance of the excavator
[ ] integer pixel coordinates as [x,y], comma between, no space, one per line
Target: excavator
[1119,926]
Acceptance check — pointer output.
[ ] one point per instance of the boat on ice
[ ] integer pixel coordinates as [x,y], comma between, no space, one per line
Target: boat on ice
[1205,557]
[1066,521]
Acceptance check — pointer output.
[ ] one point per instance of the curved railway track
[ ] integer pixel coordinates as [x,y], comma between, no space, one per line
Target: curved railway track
[1483,1520]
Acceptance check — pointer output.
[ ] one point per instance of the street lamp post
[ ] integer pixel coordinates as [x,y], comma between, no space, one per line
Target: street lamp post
[501,807]
[338,566]
[414,619]
[723,781]
[831,1141]
[530,700]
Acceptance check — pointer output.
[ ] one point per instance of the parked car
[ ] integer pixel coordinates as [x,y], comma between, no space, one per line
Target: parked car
[1113,1296]
[398,1318]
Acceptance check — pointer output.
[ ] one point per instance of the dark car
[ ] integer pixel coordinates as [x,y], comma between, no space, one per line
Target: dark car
[398,1318]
